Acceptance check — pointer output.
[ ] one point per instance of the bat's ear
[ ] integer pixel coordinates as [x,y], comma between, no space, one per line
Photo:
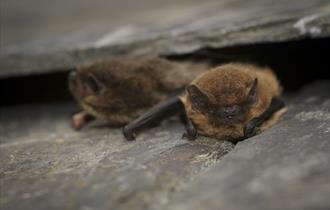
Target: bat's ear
[93,84]
[199,100]
[252,96]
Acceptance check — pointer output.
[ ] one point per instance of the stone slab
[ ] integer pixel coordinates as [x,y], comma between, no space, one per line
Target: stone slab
[63,42]
[45,164]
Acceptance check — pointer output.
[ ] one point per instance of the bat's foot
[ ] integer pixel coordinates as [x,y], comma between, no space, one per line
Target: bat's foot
[128,133]
[190,137]
[250,129]
[80,119]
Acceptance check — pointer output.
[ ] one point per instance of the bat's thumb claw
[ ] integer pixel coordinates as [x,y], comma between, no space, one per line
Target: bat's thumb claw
[128,133]
[249,130]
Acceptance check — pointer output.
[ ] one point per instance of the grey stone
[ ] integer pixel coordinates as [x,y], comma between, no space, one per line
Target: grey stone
[286,167]
[45,164]
[102,31]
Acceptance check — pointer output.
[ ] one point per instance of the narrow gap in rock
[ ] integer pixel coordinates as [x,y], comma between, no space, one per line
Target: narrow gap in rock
[35,89]
[296,63]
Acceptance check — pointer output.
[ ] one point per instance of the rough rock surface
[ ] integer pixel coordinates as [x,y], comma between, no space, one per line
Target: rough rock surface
[93,30]
[44,164]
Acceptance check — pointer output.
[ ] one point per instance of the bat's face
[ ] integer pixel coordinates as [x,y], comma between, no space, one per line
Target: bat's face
[94,95]
[105,93]
[225,104]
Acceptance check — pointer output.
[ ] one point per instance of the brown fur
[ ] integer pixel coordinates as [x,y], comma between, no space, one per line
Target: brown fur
[131,87]
[228,85]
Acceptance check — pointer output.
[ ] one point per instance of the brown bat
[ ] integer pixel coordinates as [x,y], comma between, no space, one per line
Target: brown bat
[230,102]
[120,90]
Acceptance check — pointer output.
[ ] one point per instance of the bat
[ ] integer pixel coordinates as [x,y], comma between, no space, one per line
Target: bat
[229,102]
[120,90]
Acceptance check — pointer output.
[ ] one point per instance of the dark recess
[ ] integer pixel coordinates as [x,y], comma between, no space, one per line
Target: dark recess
[296,63]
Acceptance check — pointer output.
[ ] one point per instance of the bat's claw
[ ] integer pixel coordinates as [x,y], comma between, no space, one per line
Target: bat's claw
[191,131]
[189,137]
[249,129]
[128,133]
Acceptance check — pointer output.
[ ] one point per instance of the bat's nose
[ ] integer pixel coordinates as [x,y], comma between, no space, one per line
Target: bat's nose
[230,112]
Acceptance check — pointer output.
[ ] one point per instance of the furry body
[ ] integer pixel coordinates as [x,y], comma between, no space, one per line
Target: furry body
[120,90]
[227,86]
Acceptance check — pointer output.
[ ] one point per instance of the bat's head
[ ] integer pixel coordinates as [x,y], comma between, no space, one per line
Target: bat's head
[108,90]
[224,96]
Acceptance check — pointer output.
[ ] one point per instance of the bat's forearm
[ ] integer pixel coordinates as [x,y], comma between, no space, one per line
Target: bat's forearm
[276,104]
[165,108]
